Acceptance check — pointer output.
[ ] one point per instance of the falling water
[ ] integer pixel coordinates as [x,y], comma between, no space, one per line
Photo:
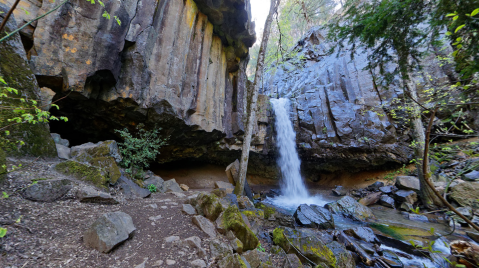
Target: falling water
[293,189]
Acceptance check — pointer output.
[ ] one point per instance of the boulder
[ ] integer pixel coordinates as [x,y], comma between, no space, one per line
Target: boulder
[386,189]
[465,193]
[405,196]
[198,263]
[276,216]
[171,186]
[370,199]
[108,168]
[47,190]
[209,205]
[406,207]
[408,183]
[63,152]
[386,201]
[256,258]
[375,186]
[108,231]
[195,243]
[233,261]
[340,191]
[205,225]
[58,140]
[237,245]
[87,152]
[312,248]
[314,216]
[219,249]
[229,200]
[83,172]
[365,234]
[132,190]
[189,209]
[471,176]
[155,180]
[224,185]
[245,203]
[350,208]
[292,261]
[184,187]
[231,220]
[88,194]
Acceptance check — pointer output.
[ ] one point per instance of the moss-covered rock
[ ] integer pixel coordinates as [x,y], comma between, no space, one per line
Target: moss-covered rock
[17,74]
[231,220]
[87,152]
[312,248]
[82,172]
[253,214]
[233,261]
[209,205]
[108,168]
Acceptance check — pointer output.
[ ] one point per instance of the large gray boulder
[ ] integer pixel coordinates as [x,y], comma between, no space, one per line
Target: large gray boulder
[350,208]
[87,152]
[132,190]
[314,216]
[171,186]
[465,193]
[47,190]
[405,196]
[109,231]
[408,183]
[88,194]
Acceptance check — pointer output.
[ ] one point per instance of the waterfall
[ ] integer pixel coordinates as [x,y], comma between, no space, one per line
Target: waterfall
[293,189]
[292,184]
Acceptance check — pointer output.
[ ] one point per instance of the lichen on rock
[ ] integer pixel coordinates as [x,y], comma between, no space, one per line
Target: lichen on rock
[82,172]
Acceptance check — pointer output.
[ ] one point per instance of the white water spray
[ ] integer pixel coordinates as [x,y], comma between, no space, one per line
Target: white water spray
[294,192]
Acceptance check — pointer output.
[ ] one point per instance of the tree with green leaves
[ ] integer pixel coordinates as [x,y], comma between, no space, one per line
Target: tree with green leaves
[398,32]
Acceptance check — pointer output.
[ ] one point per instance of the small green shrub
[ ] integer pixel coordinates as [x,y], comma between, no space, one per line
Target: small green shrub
[3,232]
[139,149]
[152,188]
[261,248]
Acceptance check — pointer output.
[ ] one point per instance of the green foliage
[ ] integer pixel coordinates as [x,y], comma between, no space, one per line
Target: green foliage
[152,188]
[3,232]
[139,149]
[416,210]
[18,110]
[5,195]
[393,174]
[261,248]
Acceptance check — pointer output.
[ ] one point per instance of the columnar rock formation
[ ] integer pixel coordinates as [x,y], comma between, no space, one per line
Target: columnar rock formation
[338,110]
[178,65]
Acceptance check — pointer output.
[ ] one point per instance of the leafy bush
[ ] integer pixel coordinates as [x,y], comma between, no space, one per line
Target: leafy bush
[139,149]
[152,188]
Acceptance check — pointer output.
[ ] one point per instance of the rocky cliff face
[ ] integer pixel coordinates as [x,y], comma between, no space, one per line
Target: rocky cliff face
[178,65]
[337,107]
[16,73]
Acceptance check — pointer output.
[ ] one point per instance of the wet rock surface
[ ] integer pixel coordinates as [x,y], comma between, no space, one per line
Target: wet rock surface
[314,216]
[350,208]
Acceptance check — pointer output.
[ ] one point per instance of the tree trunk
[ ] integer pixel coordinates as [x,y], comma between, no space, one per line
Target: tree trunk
[251,105]
[428,197]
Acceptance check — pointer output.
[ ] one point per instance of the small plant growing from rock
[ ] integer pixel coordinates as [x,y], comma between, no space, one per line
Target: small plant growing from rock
[3,232]
[152,188]
[139,149]
[416,210]
[261,248]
